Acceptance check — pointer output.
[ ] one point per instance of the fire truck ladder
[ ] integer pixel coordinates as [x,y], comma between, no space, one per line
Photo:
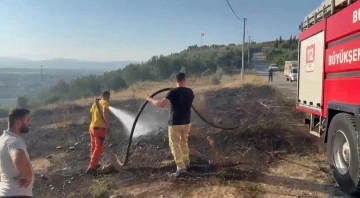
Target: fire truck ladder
[325,10]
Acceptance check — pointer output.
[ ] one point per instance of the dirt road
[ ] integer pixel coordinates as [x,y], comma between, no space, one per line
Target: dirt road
[290,88]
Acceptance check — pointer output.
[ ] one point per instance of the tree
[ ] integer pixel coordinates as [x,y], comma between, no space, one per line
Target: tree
[60,88]
[278,52]
[193,60]
[112,81]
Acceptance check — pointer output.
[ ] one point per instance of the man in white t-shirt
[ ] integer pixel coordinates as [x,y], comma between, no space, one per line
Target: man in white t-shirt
[16,174]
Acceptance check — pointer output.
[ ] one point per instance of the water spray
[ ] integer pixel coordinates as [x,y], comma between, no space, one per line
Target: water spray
[142,108]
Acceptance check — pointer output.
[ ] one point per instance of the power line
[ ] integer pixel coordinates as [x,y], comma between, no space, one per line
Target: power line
[234,11]
[243,44]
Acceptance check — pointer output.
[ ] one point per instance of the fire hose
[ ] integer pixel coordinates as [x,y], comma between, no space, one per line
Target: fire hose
[142,108]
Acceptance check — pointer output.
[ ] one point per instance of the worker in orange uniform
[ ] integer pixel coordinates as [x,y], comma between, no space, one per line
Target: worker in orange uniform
[180,99]
[98,129]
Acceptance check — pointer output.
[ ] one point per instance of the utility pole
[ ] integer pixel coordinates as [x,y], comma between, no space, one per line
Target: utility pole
[249,43]
[41,78]
[242,60]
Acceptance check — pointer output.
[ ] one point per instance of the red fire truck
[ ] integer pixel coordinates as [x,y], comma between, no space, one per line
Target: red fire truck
[329,85]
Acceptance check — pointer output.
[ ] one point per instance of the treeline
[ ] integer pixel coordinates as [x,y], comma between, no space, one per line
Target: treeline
[280,50]
[194,60]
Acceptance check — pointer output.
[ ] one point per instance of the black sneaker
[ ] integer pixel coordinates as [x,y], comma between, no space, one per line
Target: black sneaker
[92,171]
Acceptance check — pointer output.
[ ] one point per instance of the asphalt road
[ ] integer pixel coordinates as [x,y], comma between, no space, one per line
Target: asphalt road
[279,81]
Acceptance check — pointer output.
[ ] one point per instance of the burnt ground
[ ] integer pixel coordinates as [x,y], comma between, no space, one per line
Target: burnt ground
[270,155]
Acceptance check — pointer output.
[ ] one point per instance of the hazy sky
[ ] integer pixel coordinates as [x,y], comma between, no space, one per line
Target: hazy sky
[106,30]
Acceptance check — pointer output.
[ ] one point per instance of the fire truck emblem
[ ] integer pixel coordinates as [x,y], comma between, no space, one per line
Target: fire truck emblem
[310,58]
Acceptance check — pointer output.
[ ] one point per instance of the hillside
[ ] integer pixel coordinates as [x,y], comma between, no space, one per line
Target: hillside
[279,50]
[195,61]
[268,156]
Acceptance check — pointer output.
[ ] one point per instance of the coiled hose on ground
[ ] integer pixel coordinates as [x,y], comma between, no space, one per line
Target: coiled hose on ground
[142,108]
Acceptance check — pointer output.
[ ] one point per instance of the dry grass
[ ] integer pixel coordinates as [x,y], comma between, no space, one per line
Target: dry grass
[142,89]
[100,189]
[41,165]
[249,163]
[212,188]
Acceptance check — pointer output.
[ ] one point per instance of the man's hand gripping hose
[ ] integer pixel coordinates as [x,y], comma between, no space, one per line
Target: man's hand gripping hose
[142,108]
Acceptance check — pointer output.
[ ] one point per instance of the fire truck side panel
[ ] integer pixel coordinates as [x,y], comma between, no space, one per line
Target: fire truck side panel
[343,23]
[311,68]
[343,55]
[342,91]
[342,72]
[342,59]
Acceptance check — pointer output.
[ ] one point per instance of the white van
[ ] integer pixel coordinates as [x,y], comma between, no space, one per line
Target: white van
[293,74]
[289,65]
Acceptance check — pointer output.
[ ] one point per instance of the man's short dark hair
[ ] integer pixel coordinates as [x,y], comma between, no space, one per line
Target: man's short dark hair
[17,114]
[180,77]
[105,94]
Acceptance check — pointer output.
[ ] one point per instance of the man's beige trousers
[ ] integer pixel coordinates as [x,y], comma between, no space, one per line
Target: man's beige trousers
[178,142]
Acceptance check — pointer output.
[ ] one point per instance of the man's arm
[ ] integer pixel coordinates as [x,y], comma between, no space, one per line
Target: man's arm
[193,96]
[159,103]
[164,102]
[21,162]
[106,114]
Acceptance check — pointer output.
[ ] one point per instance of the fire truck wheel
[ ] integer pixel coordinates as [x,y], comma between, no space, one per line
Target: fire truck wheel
[343,152]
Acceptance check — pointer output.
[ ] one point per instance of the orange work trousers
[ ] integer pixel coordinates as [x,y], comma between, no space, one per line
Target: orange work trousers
[97,137]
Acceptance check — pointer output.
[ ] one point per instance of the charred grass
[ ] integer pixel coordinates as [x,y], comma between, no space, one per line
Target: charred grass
[269,155]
